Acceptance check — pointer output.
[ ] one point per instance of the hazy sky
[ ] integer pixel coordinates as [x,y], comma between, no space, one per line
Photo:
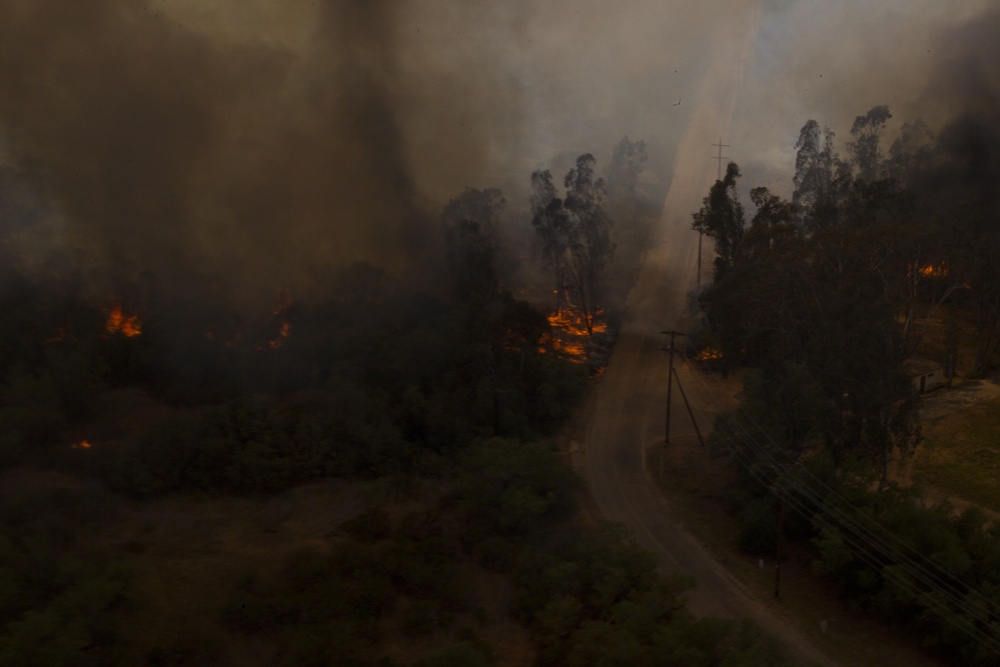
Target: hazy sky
[259,139]
[832,61]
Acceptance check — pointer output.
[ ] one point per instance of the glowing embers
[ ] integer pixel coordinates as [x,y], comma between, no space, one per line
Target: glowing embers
[58,337]
[122,323]
[282,336]
[569,333]
[280,322]
[939,270]
[709,354]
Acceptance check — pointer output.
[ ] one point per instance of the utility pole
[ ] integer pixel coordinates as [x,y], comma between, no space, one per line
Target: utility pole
[779,543]
[671,375]
[687,404]
[697,288]
[670,380]
[720,158]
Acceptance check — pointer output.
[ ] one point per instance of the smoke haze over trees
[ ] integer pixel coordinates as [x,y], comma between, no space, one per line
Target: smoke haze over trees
[243,145]
[308,207]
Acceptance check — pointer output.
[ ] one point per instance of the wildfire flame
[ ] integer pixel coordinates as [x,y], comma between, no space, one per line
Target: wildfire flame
[281,318]
[120,322]
[571,322]
[275,343]
[709,353]
[83,444]
[929,270]
[569,333]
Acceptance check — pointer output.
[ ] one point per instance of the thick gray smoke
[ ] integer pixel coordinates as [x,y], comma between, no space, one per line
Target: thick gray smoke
[253,145]
[174,152]
[243,146]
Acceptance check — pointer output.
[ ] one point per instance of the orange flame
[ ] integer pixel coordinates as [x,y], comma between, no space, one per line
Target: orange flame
[280,316]
[928,270]
[119,322]
[709,353]
[569,333]
[275,343]
[83,444]
[572,322]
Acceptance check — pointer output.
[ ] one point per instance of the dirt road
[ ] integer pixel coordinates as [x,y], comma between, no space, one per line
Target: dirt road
[628,414]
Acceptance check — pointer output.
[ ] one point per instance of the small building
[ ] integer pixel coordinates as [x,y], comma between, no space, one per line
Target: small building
[925,374]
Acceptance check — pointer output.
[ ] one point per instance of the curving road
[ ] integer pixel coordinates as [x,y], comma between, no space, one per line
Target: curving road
[627,415]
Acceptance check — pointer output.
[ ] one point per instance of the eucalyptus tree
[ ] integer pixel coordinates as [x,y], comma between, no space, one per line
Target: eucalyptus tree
[721,218]
[575,235]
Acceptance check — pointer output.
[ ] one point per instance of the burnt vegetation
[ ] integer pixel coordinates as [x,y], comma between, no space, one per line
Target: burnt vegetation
[820,302]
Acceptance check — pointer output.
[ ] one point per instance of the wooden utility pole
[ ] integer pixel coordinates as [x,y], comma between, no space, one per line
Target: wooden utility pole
[671,375]
[697,289]
[720,158]
[670,380]
[779,543]
[687,404]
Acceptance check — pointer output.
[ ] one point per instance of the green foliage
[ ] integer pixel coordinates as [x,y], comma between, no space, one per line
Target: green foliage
[959,544]
[31,416]
[57,610]
[758,526]
[249,446]
[721,219]
[470,230]
[515,487]
[333,603]
[592,599]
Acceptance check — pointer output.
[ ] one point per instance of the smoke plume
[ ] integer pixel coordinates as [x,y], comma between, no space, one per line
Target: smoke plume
[240,147]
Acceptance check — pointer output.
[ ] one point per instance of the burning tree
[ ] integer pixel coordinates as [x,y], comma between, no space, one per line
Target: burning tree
[575,235]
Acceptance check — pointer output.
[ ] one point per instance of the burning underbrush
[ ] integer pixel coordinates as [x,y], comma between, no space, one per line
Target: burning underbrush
[120,321]
[434,373]
[708,354]
[570,336]
[939,270]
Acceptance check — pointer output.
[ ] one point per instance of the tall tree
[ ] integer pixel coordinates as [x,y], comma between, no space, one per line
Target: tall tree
[591,249]
[627,160]
[471,239]
[773,223]
[912,152]
[864,151]
[751,312]
[721,219]
[855,348]
[551,223]
[815,173]
[575,235]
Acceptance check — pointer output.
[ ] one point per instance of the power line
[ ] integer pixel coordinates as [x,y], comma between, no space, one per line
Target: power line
[870,553]
[868,540]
